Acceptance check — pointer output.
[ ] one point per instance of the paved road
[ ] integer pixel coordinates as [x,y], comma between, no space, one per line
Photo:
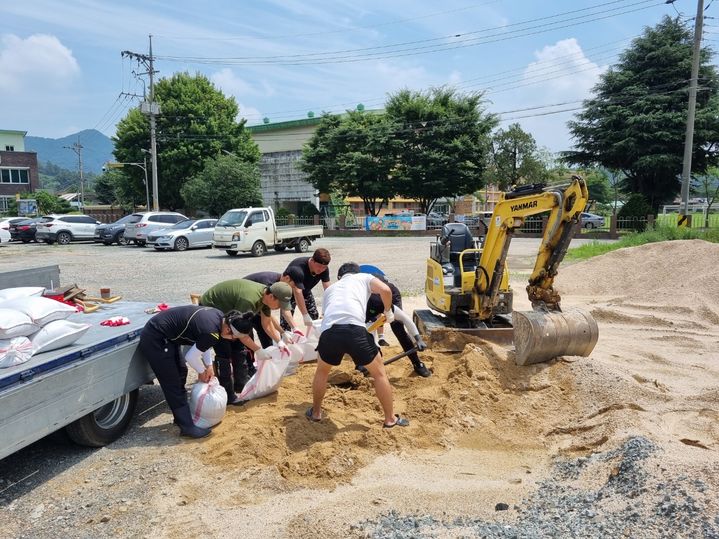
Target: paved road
[143,274]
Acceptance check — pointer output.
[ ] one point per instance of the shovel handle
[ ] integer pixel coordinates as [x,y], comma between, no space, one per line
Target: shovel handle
[400,356]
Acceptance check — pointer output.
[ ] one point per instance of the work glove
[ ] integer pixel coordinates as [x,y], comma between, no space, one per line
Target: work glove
[297,333]
[419,343]
[389,315]
[284,349]
[307,319]
[288,338]
[262,354]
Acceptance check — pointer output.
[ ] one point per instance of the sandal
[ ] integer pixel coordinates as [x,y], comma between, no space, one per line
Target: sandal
[399,422]
[308,415]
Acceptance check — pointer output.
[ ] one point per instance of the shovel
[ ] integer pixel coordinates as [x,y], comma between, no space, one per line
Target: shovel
[364,370]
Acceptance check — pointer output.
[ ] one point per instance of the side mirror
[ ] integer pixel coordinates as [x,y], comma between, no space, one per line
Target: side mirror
[193,227]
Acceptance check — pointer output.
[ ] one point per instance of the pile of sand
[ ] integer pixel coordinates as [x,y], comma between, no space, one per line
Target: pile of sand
[642,379]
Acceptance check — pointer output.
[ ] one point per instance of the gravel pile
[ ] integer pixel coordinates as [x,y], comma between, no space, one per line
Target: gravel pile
[629,503]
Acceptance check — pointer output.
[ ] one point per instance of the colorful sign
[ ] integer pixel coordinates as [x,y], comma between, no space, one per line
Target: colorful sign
[396,222]
[27,206]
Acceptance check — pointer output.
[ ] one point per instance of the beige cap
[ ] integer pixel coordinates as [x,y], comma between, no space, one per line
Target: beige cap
[283,292]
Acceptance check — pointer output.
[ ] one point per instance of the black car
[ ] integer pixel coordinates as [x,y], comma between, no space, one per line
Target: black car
[24,230]
[113,232]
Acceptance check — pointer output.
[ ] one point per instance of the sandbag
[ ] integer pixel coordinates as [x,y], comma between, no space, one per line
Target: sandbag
[56,335]
[40,310]
[14,351]
[268,376]
[6,294]
[15,324]
[208,402]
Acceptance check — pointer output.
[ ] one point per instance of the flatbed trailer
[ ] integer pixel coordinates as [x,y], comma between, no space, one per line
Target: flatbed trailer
[90,388]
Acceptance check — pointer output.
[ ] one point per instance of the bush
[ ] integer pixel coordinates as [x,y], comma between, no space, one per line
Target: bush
[634,213]
[283,213]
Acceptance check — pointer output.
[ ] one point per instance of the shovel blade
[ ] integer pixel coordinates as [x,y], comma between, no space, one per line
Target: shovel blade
[541,336]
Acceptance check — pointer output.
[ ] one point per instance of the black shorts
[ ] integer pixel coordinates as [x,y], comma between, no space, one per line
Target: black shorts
[342,339]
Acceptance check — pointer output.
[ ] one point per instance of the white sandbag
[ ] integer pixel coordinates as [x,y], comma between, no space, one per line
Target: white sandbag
[56,335]
[6,294]
[15,324]
[268,376]
[14,351]
[40,310]
[208,402]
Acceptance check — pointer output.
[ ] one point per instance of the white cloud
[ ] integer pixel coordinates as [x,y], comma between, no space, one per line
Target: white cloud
[562,70]
[37,61]
[252,114]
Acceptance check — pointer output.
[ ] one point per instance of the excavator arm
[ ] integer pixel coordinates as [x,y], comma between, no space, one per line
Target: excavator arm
[565,204]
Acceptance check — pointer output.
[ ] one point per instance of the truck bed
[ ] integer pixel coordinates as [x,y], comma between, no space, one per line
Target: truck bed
[55,388]
[286,232]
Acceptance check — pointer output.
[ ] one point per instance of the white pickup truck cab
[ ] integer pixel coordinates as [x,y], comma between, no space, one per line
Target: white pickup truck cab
[254,230]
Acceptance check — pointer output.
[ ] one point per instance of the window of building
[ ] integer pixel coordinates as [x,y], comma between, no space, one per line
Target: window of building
[5,203]
[14,175]
[9,148]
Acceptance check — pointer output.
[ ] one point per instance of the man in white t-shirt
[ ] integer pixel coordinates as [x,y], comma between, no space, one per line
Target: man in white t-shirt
[344,332]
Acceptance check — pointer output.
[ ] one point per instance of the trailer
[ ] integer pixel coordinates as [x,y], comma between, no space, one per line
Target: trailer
[89,389]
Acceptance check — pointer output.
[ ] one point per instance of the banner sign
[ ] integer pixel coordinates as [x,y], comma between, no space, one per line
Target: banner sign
[396,222]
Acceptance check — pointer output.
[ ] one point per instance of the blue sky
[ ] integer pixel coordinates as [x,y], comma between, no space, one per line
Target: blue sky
[61,69]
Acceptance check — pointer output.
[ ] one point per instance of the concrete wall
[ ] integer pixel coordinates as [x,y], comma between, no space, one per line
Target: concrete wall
[12,138]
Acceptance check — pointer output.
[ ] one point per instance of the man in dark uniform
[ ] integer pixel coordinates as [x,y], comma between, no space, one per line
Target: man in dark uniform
[294,277]
[160,340]
[244,296]
[315,268]
[375,308]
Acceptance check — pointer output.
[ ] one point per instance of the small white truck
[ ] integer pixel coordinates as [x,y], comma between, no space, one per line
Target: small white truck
[254,230]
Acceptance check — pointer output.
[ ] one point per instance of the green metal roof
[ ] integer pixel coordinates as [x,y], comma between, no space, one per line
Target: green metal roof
[13,132]
[283,125]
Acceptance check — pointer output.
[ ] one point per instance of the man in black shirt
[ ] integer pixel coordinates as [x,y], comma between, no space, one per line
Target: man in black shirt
[376,308]
[314,268]
[294,277]
[201,327]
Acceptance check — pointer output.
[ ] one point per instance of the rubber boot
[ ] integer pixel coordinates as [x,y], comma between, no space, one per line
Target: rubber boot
[183,419]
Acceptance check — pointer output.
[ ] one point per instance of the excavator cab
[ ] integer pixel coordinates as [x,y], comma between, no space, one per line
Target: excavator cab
[468,284]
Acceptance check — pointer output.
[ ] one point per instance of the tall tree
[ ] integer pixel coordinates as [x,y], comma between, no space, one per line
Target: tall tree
[197,122]
[443,143]
[636,121]
[514,159]
[354,155]
[226,182]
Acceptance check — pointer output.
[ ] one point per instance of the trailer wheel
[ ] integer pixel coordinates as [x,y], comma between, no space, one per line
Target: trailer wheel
[232,253]
[259,248]
[106,424]
[303,245]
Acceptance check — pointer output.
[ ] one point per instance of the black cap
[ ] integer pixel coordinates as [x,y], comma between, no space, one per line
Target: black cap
[297,276]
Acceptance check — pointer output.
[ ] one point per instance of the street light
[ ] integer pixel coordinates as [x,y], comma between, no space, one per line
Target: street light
[143,166]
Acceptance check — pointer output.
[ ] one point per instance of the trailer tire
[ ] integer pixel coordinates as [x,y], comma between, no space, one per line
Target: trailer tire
[232,253]
[106,424]
[303,245]
[259,248]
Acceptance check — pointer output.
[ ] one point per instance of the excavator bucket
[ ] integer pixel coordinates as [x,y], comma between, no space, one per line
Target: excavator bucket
[540,336]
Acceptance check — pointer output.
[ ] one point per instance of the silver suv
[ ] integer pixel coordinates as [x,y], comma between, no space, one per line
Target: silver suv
[66,228]
[141,224]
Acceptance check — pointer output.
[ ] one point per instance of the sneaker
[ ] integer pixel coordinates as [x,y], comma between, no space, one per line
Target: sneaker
[382,342]
[422,370]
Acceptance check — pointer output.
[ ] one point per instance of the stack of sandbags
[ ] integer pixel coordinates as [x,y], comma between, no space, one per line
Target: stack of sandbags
[30,324]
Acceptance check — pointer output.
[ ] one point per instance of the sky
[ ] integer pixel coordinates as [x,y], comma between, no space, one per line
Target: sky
[61,69]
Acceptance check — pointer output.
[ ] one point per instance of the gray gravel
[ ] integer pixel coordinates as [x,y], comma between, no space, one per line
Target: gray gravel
[630,503]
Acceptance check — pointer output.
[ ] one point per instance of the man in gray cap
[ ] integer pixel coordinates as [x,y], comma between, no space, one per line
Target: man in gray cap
[246,297]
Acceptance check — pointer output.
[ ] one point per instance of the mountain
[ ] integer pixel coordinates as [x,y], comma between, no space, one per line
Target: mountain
[96,150]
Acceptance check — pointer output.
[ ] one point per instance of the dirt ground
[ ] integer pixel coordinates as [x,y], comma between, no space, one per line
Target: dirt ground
[483,430]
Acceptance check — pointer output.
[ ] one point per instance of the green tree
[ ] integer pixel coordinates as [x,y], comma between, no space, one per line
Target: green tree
[106,187]
[514,159]
[633,213]
[636,121]
[226,182]
[597,185]
[353,155]
[196,122]
[443,139]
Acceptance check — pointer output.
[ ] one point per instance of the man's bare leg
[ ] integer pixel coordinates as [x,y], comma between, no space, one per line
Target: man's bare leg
[319,387]
[382,387]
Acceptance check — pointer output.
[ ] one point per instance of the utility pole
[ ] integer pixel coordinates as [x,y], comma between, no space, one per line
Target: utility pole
[77,148]
[152,109]
[684,219]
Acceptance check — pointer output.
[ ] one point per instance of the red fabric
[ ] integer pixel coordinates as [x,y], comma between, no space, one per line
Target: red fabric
[115,321]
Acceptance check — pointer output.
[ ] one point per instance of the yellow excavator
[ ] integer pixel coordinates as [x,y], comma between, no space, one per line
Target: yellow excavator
[468,284]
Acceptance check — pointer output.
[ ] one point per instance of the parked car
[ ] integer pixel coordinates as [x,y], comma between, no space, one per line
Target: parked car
[24,230]
[141,224]
[436,219]
[5,222]
[4,236]
[66,228]
[113,232]
[187,234]
[592,220]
